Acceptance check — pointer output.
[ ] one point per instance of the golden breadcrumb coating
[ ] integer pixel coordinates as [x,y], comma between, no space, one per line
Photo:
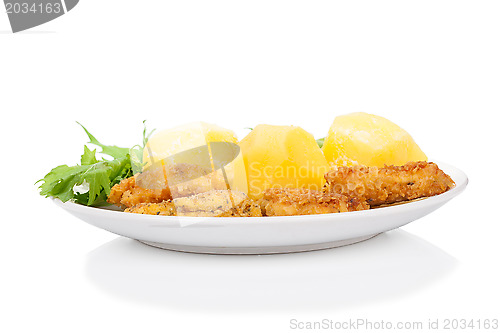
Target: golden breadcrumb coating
[166,208]
[216,203]
[194,191]
[301,201]
[183,179]
[150,187]
[389,184]
[128,194]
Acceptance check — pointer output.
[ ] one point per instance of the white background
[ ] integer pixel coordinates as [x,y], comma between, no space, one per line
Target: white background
[433,67]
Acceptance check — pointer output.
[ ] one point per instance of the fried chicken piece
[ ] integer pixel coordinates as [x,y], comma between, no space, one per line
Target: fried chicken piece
[128,194]
[301,201]
[166,208]
[389,184]
[183,179]
[150,187]
[209,182]
[215,203]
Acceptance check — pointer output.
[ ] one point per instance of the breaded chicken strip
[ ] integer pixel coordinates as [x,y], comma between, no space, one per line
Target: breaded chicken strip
[150,186]
[166,208]
[183,179]
[389,184]
[300,201]
[219,203]
[128,194]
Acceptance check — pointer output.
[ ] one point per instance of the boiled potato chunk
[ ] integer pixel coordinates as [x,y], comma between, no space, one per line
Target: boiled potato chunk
[180,145]
[171,141]
[282,156]
[366,139]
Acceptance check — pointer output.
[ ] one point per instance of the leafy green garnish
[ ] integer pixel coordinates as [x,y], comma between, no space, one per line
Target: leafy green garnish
[136,152]
[113,151]
[90,182]
[320,142]
[145,134]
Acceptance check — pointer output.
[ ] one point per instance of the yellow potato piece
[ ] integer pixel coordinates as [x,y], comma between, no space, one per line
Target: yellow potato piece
[171,141]
[366,139]
[183,140]
[282,156]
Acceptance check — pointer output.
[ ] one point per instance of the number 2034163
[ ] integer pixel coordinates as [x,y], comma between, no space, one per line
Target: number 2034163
[33,8]
[472,324]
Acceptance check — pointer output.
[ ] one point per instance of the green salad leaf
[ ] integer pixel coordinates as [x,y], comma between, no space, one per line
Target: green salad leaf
[113,151]
[136,152]
[320,142]
[90,182]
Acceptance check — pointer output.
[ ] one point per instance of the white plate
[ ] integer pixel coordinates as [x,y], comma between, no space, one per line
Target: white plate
[261,235]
